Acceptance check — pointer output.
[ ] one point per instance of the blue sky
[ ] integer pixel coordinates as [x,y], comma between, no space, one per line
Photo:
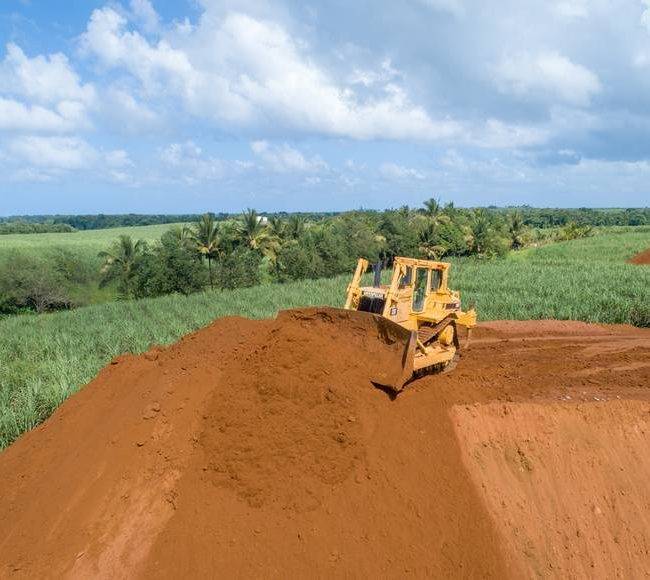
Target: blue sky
[160,106]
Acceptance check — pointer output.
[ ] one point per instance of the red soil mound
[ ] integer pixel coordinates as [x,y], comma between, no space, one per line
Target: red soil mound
[566,484]
[641,258]
[261,448]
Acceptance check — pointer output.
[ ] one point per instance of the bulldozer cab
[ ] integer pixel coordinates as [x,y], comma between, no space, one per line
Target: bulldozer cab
[417,287]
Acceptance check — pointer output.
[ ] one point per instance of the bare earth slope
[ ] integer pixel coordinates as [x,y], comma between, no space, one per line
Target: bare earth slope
[641,258]
[260,448]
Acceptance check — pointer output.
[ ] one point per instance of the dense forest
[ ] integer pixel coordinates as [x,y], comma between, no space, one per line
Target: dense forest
[219,252]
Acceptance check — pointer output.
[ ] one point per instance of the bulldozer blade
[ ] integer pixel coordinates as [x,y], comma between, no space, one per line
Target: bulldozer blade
[386,348]
[395,368]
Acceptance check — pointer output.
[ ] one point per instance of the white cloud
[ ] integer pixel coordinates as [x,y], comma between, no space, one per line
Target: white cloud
[32,175]
[498,135]
[453,159]
[144,13]
[571,9]
[59,153]
[369,77]
[47,159]
[645,15]
[118,159]
[248,71]
[547,75]
[455,7]
[155,66]
[17,116]
[127,112]
[641,59]
[187,163]
[283,158]
[43,79]
[399,172]
[43,93]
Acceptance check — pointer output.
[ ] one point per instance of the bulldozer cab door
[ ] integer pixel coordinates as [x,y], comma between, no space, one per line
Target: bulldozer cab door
[420,289]
[437,294]
[402,295]
[435,280]
[429,285]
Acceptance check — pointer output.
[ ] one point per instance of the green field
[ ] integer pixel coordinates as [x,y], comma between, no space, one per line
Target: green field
[84,246]
[44,358]
[83,242]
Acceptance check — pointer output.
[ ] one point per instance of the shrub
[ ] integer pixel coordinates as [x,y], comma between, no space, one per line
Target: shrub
[75,268]
[31,283]
[171,268]
[400,234]
[574,231]
[298,261]
[640,316]
[240,269]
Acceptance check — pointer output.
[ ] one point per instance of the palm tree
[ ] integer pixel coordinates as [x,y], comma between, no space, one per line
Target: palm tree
[252,232]
[255,235]
[480,231]
[450,210]
[516,230]
[277,227]
[428,244]
[183,234]
[205,236]
[295,227]
[120,261]
[404,211]
[435,212]
[432,208]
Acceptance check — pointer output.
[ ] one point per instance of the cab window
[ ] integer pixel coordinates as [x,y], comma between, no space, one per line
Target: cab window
[405,280]
[420,290]
[436,280]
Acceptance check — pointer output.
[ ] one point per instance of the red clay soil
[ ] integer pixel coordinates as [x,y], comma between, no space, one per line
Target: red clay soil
[262,449]
[641,258]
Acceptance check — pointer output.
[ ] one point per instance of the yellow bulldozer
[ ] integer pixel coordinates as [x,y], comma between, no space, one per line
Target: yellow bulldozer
[422,315]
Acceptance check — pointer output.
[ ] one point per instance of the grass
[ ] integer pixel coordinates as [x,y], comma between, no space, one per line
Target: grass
[45,358]
[87,241]
[586,279]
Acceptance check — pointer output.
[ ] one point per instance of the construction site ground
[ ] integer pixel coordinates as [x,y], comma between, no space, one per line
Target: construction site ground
[262,449]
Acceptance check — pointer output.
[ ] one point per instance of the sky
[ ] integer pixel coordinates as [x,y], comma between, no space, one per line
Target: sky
[161,106]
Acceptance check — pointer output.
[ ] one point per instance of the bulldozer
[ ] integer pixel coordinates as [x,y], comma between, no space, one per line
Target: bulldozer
[420,314]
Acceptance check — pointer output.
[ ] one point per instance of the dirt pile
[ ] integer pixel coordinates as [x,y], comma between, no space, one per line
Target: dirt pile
[566,484]
[261,448]
[641,258]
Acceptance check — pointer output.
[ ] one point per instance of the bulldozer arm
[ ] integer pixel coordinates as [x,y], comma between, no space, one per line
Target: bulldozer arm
[353,287]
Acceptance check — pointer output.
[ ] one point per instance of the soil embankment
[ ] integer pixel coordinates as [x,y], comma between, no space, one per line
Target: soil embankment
[261,448]
[642,258]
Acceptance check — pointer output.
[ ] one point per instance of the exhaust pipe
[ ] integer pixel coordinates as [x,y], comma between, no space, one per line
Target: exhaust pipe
[376,268]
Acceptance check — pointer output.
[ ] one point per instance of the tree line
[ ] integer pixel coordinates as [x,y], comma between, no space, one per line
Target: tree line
[24,227]
[223,252]
[532,217]
[252,249]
